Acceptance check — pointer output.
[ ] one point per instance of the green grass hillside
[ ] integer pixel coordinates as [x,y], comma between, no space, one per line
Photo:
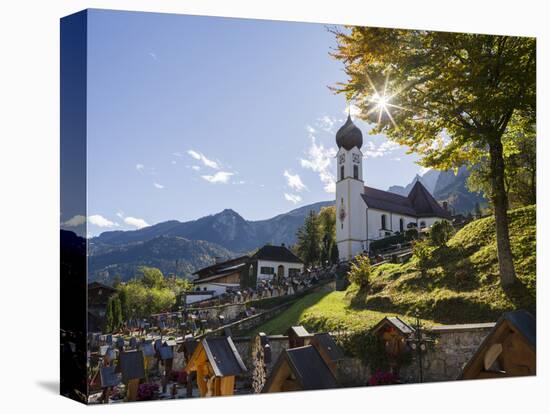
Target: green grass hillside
[461,286]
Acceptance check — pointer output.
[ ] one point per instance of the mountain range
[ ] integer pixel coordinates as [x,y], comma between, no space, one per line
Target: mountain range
[446,186]
[182,247]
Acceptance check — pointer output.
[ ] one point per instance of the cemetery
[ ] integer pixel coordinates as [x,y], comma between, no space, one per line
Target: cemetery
[213,351]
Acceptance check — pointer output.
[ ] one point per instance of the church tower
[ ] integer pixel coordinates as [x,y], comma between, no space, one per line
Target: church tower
[351,220]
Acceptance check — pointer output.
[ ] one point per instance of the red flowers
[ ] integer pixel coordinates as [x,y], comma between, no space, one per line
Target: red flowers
[148,391]
[383,378]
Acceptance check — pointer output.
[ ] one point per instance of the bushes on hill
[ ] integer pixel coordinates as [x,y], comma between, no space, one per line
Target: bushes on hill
[360,272]
[440,233]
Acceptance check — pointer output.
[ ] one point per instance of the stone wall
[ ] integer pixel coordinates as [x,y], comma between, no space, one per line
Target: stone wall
[455,345]
[278,343]
[232,311]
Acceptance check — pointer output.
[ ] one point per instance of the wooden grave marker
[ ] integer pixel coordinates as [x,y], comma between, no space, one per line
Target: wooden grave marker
[133,369]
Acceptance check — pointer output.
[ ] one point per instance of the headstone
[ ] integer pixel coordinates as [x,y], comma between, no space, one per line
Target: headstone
[131,365]
[120,342]
[147,349]
[103,350]
[109,378]
[170,342]
[166,352]
[111,354]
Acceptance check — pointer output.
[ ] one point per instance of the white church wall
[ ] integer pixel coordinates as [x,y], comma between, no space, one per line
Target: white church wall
[392,223]
[429,221]
[351,230]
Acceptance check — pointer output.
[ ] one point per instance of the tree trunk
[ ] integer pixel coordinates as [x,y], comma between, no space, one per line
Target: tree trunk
[500,203]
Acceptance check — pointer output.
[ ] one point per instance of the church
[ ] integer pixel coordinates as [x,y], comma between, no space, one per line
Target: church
[363,213]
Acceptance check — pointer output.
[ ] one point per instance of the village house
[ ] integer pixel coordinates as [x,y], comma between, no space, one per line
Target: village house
[98,296]
[365,214]
[267,264]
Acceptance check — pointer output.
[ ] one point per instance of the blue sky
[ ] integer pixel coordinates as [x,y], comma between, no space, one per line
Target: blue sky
[189,115]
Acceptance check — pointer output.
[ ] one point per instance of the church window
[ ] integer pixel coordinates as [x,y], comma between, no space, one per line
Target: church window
[383,222]
[342,172]
[356,172]
[401,225]
[267,270]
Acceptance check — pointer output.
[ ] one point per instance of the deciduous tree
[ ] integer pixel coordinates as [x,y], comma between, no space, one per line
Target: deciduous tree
[447,96]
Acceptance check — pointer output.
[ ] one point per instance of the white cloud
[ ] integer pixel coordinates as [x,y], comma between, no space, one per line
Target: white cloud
[100,221]
[140,167]
[135,222]
[75,221]
[370,150]
[174,162]
[327,123]
[319,160]
[219,177]
[294,181]
[293,198]
[159,186]
[352,109]
[196,168]
[310,129]
[201,157]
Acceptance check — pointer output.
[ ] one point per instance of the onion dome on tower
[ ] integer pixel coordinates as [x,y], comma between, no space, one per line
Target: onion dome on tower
[349,136]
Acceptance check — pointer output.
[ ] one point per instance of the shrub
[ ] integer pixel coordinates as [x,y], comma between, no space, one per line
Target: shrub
[440,233]
[360,271]
[423,254]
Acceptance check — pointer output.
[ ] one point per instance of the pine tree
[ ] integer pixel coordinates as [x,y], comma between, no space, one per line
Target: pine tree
[309,240]
[117,314]
[109,316]
[334,253]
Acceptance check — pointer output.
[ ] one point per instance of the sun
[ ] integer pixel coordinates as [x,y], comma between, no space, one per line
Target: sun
[380,101]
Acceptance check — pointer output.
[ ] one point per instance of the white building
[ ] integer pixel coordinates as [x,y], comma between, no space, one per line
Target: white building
[364,213]
[246,271]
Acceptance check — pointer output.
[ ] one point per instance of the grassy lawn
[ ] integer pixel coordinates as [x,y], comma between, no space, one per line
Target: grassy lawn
[461,286]
[323,311]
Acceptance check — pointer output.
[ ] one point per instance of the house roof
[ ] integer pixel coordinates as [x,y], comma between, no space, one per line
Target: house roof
[277,254]
[419,202]
[223,356]
[219,267]
[97,285]
[308,367]
[402,326]
[213,277]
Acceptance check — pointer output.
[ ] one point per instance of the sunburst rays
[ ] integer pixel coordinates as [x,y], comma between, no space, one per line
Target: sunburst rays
[381,101]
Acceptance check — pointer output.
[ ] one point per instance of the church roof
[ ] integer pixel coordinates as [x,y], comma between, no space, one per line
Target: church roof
[419,202]
[349,136]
